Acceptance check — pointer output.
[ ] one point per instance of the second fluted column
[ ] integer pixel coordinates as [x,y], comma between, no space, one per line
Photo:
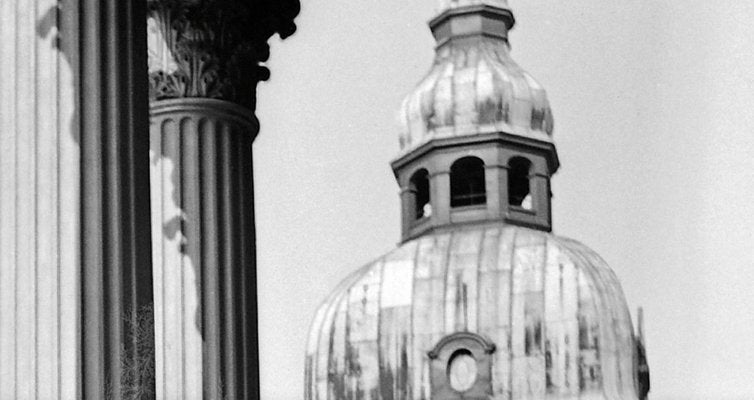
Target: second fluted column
[204,65]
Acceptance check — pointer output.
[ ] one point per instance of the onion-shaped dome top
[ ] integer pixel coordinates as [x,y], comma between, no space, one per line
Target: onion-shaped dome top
[546,314]
[474,86]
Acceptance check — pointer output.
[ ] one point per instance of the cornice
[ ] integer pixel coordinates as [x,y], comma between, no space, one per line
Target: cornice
[430,146]
[202,108]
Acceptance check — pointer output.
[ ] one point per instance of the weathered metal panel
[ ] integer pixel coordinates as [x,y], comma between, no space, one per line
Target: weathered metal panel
[616,346]
[488,313]
[309,381]
[493,309]
[363,332]
[428,313]
[443,99]
[315,330]
[561,305]
[528,315]
[621,330]
[323,349]
[461,282]
[395,350]
[337,350]
[395,323]
[605,323]
[363,309]
[551,307]
[590,371]
[502,384]
[398,277]
[464,94]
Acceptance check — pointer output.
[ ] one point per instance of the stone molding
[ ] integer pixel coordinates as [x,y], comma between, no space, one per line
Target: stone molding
[219,109]
[213,48]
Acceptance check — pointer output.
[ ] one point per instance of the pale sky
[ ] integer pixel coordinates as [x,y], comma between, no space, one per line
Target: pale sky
[654,126]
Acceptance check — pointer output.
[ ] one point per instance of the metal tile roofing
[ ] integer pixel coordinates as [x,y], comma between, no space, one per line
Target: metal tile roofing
[553,308]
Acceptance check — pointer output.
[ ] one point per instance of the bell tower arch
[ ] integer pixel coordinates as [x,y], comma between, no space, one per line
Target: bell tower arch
[478,127]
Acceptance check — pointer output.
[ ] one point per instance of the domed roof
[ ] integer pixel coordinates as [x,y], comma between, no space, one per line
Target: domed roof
[474,87]
[551,313]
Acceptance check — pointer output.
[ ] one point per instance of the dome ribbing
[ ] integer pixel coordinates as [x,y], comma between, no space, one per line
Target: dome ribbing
[474,86]
[552,307]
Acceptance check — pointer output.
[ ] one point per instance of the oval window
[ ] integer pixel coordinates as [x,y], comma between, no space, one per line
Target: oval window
[462,370]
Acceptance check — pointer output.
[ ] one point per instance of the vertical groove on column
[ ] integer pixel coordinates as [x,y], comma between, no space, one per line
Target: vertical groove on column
[54,343]
[26,261]
[209,189]
[228,223]
[216,190]
[46,215]
[251,338]
[38,201]
[113,218]
[190,199]
[172,176]
[157,126]
[242,182]
[8,138]
[69,205]
[210,267]
[117,355]
[182,263]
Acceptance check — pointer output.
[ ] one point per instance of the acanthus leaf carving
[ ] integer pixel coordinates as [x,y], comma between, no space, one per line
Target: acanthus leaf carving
[212,49]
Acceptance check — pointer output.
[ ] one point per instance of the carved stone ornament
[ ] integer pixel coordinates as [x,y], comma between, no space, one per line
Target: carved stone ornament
[213,48]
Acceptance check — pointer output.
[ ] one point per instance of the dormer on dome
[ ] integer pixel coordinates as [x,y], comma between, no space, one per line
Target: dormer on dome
[477,135]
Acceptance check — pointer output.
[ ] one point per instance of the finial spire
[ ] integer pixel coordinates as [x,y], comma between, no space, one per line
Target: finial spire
[449,4]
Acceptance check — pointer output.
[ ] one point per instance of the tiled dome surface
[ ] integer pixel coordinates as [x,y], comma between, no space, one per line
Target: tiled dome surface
[475,88]
[554,310]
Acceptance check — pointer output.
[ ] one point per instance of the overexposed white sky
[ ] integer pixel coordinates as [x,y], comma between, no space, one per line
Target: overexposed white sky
[654,123]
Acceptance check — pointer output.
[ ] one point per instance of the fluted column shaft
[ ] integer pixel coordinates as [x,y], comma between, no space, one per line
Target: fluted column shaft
[39,204]
[75,255]
[115,240]
[204,64]
[203,238]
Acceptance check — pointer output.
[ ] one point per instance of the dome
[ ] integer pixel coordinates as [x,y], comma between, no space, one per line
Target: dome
[547,313]
[474,86]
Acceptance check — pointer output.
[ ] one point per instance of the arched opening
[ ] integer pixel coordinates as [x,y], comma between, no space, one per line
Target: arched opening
[462,370]
[467,187]
[519,190]
[461,367]
[420,190]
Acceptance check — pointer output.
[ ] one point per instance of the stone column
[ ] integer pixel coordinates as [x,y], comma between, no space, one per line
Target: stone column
[118,359]
[39,204]
[496,181]
[440,187]
[204,68]
[75,265]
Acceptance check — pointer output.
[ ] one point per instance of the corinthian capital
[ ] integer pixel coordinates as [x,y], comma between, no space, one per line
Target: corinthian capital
[213,48]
